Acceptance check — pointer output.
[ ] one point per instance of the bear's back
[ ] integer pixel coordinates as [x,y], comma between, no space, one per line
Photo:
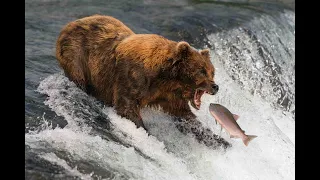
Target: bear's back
[150,49]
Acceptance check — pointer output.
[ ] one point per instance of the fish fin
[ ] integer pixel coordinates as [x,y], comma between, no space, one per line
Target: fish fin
[248,139]
[216,121]
[236,117]
[220,130]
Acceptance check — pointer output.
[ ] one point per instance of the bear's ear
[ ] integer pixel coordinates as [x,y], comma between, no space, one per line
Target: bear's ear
[183,49]
[205,52]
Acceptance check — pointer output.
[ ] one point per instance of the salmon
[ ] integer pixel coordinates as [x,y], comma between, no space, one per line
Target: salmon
[227,120]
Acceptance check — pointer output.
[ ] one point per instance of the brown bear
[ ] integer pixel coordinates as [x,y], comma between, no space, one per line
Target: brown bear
[130,71]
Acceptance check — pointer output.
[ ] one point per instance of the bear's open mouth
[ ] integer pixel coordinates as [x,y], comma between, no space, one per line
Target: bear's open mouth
[196,103]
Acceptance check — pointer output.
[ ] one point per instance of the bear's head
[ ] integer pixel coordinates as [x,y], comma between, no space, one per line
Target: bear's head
[195,71]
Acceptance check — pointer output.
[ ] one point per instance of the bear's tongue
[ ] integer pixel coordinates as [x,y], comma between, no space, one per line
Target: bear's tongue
[197,98]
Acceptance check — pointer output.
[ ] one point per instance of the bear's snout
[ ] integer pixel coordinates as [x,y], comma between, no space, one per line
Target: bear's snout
[215,88]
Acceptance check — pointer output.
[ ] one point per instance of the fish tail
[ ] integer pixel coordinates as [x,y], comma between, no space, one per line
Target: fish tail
[248,139]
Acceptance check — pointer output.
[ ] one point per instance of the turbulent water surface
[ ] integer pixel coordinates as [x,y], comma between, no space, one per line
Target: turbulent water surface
[70,135]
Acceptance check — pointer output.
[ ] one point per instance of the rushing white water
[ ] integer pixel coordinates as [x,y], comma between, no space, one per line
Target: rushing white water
[260,57]
[166,153]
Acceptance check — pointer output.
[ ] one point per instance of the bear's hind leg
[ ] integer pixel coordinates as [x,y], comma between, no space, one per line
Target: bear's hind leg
[74,65]
[76,75]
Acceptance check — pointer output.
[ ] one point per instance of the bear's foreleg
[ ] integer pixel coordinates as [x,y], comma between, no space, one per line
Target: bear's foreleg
[130,110]
[130,86]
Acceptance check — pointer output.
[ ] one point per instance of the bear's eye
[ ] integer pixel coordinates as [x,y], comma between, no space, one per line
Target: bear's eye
[203,71]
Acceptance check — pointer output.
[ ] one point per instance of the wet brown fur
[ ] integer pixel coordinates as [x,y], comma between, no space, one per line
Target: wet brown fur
[130,71]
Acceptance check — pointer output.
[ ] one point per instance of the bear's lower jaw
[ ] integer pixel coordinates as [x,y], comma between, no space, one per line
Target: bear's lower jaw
[197,107]
[196,102]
